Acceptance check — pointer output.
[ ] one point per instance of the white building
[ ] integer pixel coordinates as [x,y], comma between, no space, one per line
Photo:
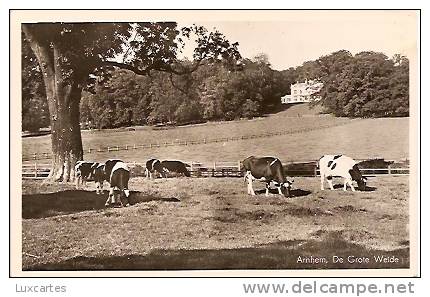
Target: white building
[303,92]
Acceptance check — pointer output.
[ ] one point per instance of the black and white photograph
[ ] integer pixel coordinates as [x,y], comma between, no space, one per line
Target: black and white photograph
[214,141]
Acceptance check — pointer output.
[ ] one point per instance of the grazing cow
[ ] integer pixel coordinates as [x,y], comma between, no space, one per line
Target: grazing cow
[99,177]
[153,166]
[118,180]
[83,172]
[109,166]
[102,172]
[175,166]
[374,163]
[343,166]
[268,169]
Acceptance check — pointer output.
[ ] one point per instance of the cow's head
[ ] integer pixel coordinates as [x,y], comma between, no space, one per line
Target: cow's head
[286,187]
[356,175]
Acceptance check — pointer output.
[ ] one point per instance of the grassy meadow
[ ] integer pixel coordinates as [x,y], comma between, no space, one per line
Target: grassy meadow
[211,223]
[359,138]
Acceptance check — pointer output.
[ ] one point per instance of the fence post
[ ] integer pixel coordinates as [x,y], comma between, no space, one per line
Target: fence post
[134,146]
[191,167]
[214,169]
[108,149]
[34,156]
[117,148]
[238,168]
[126,147]
[204,140]
[89,150]
[389,169]
[35,169]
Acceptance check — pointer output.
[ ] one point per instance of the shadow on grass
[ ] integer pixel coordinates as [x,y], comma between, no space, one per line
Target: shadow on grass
[367,189]
[72,201]
[293,193]
[278,255]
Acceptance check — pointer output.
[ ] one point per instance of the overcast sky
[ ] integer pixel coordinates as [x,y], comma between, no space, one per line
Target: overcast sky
[293,37]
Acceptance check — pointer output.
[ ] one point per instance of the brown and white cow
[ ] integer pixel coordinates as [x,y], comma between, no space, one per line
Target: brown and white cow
[268,169]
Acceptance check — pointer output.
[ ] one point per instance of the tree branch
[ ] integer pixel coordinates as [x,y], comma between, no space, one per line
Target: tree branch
[155,66]
[176,86]
[128,67]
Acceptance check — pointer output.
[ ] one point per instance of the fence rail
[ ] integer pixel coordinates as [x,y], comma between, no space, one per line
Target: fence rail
[220,169]
[89,150]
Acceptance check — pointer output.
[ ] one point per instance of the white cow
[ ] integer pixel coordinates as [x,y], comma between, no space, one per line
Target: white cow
[343,166]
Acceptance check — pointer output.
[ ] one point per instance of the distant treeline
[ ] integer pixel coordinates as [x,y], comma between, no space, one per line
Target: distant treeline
[368,84]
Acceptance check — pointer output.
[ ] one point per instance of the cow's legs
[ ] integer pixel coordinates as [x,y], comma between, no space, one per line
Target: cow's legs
[349,181]
[97,187]
[250,189]
[267,189]
[127,195]
[77,181]
[111,197]
[322,182]
[279,190]
[330,182]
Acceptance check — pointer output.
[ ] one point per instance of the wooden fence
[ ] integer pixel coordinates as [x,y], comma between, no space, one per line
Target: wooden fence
[224,169]
[115,148]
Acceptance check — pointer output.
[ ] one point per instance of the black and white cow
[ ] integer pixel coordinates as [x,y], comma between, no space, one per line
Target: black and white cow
[343,166]
[153,166]
[175,167]
[119,177]
[109,164]
[99,177]
[83,172]
[101,172]
[268,169]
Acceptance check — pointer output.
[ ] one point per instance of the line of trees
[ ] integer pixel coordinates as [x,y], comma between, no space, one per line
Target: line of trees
[213,92]
[367,84]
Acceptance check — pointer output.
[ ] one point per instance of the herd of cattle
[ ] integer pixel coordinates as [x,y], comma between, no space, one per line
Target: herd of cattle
[266,169]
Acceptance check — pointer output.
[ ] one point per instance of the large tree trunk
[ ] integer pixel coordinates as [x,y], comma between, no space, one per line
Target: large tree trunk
[65,131]
[63,92]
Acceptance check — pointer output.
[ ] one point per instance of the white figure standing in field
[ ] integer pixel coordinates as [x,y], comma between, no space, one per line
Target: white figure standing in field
[343,166]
